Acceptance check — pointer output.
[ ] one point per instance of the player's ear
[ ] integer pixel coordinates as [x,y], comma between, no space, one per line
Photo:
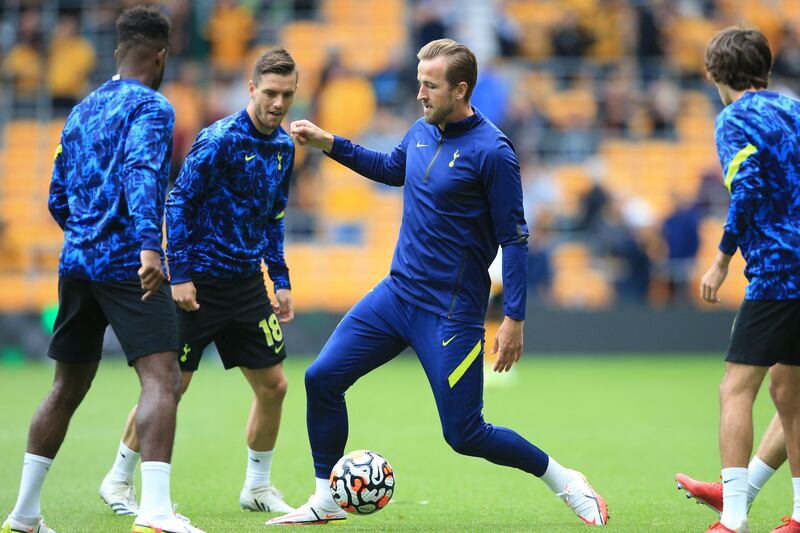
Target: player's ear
[161,57]
[461,90]
[251,87]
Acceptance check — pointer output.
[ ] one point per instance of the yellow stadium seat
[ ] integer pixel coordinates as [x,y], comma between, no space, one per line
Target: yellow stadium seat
[573,181]
[337,111]
[16,293]
[44,291]
[732,291]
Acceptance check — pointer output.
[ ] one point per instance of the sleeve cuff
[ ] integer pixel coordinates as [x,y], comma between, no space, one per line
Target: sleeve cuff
[729,243]
[151,241]
[282,285]
[515,275]
[338,142]
[279,274]
[179,272]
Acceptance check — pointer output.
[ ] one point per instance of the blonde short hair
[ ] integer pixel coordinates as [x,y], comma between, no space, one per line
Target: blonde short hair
[461,62]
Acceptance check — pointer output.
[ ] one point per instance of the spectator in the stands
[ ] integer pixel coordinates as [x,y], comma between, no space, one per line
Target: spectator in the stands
[230,29]
[71,59]
[681,235]
[24,66]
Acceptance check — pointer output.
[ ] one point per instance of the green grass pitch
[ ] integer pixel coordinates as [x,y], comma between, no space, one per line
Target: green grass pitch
[629,423]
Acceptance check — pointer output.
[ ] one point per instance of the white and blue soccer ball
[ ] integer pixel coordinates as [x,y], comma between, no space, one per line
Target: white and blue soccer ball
[362,482]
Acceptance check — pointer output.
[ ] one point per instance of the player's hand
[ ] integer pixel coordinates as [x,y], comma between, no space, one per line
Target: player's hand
[508,344]
[283,306]
[712,281]
[306,133]
[150,274]
[185,295]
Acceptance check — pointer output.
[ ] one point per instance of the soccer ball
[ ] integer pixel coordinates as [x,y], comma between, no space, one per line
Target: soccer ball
[362,482]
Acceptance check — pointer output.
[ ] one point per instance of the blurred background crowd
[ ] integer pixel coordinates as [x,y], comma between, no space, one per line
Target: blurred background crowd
[605,101]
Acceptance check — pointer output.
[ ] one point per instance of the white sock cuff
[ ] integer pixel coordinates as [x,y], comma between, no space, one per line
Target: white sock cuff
[260,455]
[127,451]
[46,461]
[155,466]
[556,476]
[323,494]
[759,473]
[734,472]
[756,462]
[796,506]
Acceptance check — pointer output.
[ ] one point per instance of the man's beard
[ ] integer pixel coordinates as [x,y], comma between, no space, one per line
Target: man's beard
[440,114]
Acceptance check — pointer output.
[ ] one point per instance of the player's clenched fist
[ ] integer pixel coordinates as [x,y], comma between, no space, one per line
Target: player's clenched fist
[150,274]
[306,133]
[185,295]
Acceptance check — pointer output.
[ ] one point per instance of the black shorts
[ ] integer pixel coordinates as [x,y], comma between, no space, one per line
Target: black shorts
[86,308]
[237,316]
[766,332]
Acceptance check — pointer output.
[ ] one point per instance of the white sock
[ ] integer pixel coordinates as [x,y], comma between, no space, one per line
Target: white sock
[734,497]
[258,465]
[156,503]
[796,487]
[323,495]
[124,464]
[758,473]
[34,469]
[556,476]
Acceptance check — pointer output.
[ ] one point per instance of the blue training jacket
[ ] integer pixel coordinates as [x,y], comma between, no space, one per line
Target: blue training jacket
[758,140]
[109,181]
[462,198]
[226,210]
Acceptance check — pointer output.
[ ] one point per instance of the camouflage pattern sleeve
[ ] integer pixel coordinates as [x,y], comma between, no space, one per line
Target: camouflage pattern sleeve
[149,140]
[58,202]
[739,157]
[273,258]
[198,170]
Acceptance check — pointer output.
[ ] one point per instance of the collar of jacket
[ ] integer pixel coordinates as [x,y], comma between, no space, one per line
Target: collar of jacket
[455,128]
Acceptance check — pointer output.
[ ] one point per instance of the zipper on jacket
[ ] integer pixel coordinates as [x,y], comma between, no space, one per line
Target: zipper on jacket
[457,289]
[428,169]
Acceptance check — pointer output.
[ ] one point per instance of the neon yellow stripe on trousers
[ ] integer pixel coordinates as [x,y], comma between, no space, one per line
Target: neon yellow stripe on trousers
[453,378]
[738,159]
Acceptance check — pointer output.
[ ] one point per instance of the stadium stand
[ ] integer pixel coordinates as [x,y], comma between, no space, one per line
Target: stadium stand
[648,121]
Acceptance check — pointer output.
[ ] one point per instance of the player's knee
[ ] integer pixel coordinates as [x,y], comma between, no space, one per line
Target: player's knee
[733,387]
[783,393]
[274,390]
[460,442]
[315,379]
[320,383]
[166,382]
[70,393]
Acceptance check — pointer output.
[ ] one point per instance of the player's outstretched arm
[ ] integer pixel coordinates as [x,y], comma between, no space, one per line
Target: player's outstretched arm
[508,344]
[306,133]
[713,278]
[378,166]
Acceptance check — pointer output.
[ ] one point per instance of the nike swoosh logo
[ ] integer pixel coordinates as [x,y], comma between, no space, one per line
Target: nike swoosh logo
[420,145]
[445,343]
[255,460]
[249,157]
[279,348]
